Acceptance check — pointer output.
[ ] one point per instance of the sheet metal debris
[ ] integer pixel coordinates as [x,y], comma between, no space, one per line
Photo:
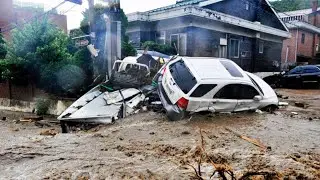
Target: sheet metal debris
[124,94]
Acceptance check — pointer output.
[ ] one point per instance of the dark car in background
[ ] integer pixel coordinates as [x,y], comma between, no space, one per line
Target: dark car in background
[302,75]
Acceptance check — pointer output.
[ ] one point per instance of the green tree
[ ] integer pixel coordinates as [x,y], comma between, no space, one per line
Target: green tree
[291,5]
[3,48]
[38,53]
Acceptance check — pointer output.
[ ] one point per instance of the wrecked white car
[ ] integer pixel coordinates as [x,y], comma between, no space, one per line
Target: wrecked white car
[211,84]
[116,98]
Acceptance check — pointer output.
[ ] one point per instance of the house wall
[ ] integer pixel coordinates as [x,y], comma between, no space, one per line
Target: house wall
[314,19]
[306,50]
[246,62]
[6,10]
[21,15]
[258,11]
[289,44]
[270,59]
[5,15]
[236,8]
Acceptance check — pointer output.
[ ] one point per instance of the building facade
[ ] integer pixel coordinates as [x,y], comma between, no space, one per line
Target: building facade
[247,31]
[6,13]
[14,13]
[303,46]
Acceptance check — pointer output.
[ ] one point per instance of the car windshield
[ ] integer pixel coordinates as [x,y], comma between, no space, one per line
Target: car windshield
[182,76]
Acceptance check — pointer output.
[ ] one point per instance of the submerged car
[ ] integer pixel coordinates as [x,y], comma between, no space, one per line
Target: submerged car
[211,84]
[301,75]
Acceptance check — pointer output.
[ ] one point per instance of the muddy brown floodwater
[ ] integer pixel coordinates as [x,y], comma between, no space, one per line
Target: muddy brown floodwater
[148,146]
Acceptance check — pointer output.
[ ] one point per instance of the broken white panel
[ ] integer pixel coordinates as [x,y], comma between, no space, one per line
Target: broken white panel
[81,102]
[97,108]
[133,103]
[114,97]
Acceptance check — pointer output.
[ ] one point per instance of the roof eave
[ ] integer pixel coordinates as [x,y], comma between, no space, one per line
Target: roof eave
[209,14]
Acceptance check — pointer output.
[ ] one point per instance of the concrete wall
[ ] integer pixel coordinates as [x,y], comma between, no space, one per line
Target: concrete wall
[56,107]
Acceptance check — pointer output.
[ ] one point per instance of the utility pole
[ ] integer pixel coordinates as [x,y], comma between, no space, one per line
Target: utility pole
[91,21]
[112,44]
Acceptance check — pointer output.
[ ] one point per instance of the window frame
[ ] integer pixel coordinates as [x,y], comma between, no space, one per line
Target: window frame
[193,82]
[177,45]
[303,38]
[247,5]
[213,87]
[237,90]
[230,49]
[261,47]
[162,38]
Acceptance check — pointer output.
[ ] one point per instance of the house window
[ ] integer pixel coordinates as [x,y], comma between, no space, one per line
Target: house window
[261,47]
[161,37]
[234,48]
[174,41]
[247,5]
[303,36]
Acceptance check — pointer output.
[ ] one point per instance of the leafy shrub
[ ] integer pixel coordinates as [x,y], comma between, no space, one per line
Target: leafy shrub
[162,48]
[42,106]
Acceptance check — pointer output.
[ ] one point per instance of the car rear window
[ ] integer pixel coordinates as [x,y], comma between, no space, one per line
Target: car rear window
[182,76]
[231,68]
[202,90]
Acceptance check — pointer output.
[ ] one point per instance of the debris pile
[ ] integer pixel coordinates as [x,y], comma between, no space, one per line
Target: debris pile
[125,93]
[225,171]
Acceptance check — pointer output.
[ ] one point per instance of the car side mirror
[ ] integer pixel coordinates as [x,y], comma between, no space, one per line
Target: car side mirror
[257,98]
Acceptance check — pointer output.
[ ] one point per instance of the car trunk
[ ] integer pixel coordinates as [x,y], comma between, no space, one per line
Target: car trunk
[177,81]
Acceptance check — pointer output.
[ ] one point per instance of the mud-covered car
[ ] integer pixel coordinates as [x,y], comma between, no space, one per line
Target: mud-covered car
[301,75]
[211,84]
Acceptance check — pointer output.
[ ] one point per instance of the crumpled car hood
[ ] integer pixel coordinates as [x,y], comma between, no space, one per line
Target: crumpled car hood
[267,90]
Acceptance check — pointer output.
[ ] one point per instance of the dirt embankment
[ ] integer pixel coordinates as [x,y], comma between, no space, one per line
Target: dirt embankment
[147,146]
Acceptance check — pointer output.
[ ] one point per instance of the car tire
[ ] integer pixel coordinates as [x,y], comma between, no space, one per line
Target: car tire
[64,127]
[177,117]
[270,108]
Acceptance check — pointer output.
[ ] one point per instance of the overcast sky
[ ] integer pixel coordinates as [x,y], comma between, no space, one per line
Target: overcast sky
[74,11]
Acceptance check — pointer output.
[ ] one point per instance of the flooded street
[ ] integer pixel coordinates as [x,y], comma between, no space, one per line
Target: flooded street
[148,146]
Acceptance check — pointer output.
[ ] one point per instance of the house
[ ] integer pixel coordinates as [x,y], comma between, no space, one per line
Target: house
[303,46]
[6,10]
[14,12]
[247,31]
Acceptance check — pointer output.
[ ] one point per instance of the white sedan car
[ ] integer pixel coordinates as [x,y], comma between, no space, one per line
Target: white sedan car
[211,84]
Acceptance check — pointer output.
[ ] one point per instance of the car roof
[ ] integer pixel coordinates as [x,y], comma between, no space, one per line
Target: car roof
[305,66]
[215,68]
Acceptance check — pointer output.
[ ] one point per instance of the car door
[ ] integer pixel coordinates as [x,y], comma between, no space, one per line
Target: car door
[310,74]
[225,99]
[245,96]
[293,77]
[200,97]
